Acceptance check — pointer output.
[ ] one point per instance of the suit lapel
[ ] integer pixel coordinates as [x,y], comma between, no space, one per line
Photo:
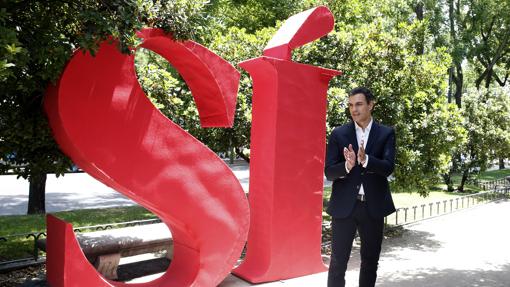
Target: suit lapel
[352,138]
[372,137]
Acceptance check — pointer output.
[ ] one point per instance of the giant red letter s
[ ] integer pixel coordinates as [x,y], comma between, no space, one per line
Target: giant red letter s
[102,119]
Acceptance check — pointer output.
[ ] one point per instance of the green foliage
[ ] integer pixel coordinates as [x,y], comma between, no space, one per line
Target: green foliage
[486,116]
[22,247]
[487,30]
[410,93]
[401,49]
[251,15]
[36,40]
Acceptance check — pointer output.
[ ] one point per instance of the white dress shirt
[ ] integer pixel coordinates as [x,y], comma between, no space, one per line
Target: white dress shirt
[362,138]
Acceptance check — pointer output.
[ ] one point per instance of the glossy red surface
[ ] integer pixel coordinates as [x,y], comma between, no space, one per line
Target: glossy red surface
[288,140]
[102,119]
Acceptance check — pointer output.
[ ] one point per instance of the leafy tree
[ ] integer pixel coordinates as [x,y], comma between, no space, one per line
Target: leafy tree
[412,53]
[37,38]
[236,31]
[489,46]
[410,88]
[479,33]
[486,115]
[502,118]
[252,15]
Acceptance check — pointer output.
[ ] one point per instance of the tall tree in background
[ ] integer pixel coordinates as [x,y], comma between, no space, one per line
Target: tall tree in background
[37,38]
[489,46]
[381,49]
[479,34]
[405,50]
[458,49]
[486,118]
[237,31]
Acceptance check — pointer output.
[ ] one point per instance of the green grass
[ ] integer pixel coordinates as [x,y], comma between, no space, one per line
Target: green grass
[468,187]
[485,176]
[20,247]
[494,174]
[402,200]
[436,193]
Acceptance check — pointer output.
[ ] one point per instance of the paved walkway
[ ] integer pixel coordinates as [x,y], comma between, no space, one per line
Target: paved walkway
[76,191]
[469,248]
[72,191]
[79,191]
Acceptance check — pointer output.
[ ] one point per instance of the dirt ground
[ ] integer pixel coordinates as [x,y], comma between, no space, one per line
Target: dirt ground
[34,276]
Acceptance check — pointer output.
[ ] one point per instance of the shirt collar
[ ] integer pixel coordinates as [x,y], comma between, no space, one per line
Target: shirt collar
[367,129]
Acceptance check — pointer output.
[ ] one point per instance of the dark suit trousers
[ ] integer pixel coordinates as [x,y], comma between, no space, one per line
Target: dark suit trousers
[371,234]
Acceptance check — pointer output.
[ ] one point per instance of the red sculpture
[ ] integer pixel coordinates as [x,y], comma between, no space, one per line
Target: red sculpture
[287,154]
[102,119]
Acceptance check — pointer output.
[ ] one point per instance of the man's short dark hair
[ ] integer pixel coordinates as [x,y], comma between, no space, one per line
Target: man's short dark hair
[365,91]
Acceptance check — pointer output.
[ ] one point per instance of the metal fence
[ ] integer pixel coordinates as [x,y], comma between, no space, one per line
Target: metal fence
[415,213]
[493,184]
[31,248]
[493,191]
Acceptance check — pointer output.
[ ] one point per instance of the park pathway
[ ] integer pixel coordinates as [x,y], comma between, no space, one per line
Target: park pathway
[76,191]
[469,248]
[81,191]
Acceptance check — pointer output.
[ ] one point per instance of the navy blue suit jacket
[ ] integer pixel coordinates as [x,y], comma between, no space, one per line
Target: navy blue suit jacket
[381,151]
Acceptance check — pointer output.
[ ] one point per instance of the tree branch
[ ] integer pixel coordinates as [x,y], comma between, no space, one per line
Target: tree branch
[489,32]
[497,56]
[500,82]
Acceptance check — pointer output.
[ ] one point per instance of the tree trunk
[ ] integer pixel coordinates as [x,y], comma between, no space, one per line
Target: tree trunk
[231,155]
[501,163]
[450,84]
[448,181]
[37,194]
[459,82]
[465,174]
[240,154]
[456,70]
[420,46]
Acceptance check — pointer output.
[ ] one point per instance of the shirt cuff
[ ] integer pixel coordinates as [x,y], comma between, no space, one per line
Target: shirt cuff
[346,169]
[366,161]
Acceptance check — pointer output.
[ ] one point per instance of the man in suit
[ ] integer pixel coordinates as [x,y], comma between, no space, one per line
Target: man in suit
[360,156]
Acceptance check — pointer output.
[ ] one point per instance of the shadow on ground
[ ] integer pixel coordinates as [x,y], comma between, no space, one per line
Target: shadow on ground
[449,278]
[410,239]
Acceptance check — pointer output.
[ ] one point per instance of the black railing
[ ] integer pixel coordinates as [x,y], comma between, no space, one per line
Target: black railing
[404,215]
[40,234]
[493,191]
[493,184]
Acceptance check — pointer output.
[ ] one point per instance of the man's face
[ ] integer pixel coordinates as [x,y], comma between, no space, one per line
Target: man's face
[360,110]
